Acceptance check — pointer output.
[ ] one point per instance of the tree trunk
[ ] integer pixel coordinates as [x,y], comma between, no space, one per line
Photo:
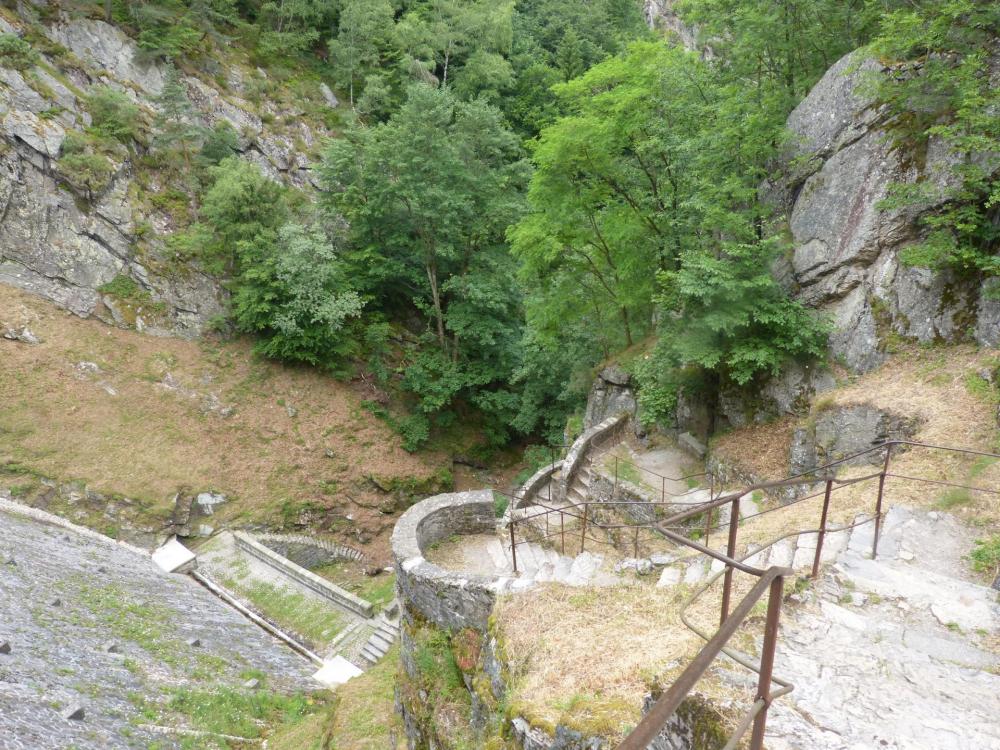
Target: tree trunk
[628,328]
[436,298]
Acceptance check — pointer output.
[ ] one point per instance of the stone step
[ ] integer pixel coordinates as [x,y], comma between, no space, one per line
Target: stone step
[805,551]
[862,536]
[696,571]
[545,572]
[781,554]
[561,571]
[584,566]
[379,640]
[499,555]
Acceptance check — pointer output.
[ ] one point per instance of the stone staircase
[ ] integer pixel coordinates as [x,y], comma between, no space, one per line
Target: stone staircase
[579,488]
[538,564]
[378,644]
[900,652]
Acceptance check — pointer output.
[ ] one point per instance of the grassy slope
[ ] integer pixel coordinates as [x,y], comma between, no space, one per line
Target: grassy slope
[122,430]
[943,387]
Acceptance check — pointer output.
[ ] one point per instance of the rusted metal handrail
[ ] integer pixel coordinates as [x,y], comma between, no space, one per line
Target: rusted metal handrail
[652,724]
[666,706]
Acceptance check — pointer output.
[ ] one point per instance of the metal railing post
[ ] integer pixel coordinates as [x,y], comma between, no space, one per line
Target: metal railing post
[822,527]
[878,502]
[513,552]
[635,544]
[708,513]
[663,489]
[767,662]
[583,533]
[562,531]
[727,586]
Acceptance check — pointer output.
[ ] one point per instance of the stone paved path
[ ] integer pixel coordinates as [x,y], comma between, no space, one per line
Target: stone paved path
[93,624]
[892,653]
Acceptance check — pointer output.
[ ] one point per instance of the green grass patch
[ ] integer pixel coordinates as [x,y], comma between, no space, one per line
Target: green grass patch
[981,388]
[955,497]
[140,622]
[985,556]
[500,503]
[380,590]
[242,713]
[364,715]
[318,622]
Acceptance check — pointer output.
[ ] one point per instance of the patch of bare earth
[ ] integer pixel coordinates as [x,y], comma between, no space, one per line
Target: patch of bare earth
[144,417]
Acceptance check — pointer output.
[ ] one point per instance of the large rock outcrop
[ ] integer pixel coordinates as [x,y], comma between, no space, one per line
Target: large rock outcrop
[67,248]
[846,259]
[611,393]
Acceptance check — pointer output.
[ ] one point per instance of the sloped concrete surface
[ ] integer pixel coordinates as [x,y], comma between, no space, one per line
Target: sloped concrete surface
[96,625]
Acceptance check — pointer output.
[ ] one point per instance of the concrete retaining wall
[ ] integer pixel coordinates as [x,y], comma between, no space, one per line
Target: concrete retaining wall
[310,580]
[448,599]
[308,551]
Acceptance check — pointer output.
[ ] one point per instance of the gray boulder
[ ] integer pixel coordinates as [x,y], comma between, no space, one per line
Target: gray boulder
[841,431]
[846,260]
[108,49]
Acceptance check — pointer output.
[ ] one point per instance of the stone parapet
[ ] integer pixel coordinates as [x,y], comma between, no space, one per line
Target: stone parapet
[450,600]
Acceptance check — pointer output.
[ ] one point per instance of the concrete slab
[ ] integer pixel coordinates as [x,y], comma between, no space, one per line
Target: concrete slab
[173,556]
[336,671]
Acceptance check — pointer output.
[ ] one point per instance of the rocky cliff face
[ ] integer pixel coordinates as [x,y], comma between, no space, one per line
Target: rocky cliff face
[846,249]
[66,249]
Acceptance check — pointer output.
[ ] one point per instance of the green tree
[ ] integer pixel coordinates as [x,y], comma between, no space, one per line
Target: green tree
[291,26]
[427,196]
[362,38]
[289,286]
[113,114]
[176,129]
[939,86]
[294,295]
[644,219]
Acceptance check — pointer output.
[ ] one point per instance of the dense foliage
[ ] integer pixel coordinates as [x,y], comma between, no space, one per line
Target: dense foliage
[520,190]
[942,86]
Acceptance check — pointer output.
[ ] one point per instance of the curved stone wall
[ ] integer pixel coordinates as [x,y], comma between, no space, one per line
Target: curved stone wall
[581,447]
[308,551]
[449,599]
[528,492]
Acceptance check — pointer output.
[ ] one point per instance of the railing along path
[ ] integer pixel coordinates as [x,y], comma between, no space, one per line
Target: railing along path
[770,581]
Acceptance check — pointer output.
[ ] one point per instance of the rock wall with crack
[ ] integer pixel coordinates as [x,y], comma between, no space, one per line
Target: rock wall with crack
[65,246]
[846,260]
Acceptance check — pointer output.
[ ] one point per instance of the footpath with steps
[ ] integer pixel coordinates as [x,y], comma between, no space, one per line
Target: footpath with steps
[896,653]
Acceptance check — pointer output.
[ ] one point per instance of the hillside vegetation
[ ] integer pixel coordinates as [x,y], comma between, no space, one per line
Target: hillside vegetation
[528,188]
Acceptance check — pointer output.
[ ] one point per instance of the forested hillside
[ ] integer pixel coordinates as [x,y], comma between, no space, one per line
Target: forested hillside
[507,194]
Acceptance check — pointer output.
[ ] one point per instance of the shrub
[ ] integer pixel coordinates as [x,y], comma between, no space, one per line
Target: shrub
[221,142]
[114,115]
[16,53]
[83,169]
[985,556]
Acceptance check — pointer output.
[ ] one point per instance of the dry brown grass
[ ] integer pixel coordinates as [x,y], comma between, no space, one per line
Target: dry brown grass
[146,441]
[584,657]
[932,384]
